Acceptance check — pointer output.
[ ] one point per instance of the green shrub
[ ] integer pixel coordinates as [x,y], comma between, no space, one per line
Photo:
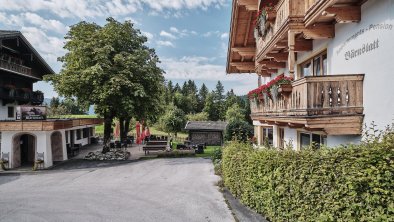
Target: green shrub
[354,183]
[239,130]
[217,166]
[217,154]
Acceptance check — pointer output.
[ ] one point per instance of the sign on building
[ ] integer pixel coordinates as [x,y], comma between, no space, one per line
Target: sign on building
[31,113]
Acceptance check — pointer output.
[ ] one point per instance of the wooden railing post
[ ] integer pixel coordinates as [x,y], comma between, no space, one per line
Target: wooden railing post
[291,62]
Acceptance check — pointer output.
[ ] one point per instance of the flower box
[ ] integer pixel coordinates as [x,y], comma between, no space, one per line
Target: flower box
[270,15]
[285,88]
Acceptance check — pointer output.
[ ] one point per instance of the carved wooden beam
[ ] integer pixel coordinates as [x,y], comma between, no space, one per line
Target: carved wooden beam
[272,70]
[344,14]
[295,125]
[319,31]
[244,66]
[279,57]
[245,51]
[303,45]
[250,5]
[264,73]
[273,64]
[280,123]
[281,45]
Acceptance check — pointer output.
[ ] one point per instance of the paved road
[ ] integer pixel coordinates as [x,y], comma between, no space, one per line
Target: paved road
[181,189]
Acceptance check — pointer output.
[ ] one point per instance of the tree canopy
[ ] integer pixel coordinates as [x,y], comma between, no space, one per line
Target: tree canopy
[111,67]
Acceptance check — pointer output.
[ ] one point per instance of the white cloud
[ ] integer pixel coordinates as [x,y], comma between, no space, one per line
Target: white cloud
[182,4]
[103,8]
[173,29]
[211,33]
[148,35]
[28,18]
[165,43]
[49,47]
[167,35]
[203,68]
[224,35]
[183,32]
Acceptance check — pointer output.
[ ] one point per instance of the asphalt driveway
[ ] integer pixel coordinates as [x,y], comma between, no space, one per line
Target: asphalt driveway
[179,189]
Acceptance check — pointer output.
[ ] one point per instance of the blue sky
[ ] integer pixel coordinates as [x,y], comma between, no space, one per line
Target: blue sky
[190,36]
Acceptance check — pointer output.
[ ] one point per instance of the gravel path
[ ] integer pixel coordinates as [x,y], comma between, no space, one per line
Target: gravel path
[179,189]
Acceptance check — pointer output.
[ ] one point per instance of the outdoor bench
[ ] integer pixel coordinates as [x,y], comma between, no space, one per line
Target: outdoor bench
[148,148]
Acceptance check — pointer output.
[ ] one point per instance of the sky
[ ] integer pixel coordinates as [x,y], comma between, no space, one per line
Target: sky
[190,36]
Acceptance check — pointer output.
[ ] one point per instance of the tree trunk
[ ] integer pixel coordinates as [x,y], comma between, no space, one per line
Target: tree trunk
[126,127]
[122,129]
[107,132]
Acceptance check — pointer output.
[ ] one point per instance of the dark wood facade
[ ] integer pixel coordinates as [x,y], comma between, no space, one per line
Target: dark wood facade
[20,67]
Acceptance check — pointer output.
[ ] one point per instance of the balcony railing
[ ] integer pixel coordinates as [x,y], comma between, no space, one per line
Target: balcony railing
[316,96]
[16,94]
[4,64]
[285,11]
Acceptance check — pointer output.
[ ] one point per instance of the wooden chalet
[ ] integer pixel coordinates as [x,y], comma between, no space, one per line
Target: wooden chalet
[25,132]
[325,47]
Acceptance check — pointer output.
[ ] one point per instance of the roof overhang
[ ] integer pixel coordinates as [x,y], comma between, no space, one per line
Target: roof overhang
[242,45]
[18,35]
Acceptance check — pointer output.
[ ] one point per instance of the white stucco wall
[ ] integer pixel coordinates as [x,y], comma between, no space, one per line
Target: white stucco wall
[4,110]
[377,64]
[43,144]
[333,141]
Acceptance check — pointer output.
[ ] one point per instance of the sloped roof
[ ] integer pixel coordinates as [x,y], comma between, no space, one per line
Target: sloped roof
[206,125]
[7,34]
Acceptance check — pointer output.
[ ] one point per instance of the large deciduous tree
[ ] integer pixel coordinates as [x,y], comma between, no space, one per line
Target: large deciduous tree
[111,67]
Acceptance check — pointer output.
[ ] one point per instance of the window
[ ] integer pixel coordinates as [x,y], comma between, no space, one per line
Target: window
[78,134]
[281,138]
[267,136]
[85,132]
[306,139]
[11,112]
[66,136]
[316,66]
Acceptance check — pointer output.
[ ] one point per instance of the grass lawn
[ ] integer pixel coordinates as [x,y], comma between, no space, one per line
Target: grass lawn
[208,151]
[155,131]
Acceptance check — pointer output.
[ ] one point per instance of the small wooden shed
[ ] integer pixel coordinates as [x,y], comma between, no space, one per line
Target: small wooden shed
[209,132]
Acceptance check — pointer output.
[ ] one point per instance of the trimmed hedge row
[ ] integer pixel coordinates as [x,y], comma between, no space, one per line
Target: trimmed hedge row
[340,184]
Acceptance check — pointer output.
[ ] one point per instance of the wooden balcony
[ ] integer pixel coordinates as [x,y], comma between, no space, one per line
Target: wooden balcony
[289,15]
[333,104]
[47,125]
[23,97]
[15,68]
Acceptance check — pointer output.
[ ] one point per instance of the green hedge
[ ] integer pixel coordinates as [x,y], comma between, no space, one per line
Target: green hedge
[339,184]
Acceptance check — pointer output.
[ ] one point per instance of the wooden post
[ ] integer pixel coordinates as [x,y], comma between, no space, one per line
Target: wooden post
[291,59]
[259,81]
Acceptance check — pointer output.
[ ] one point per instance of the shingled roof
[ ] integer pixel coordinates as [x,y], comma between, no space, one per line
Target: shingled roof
[206,125]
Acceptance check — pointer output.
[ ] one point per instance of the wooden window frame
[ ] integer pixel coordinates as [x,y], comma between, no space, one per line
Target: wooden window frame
[311,60]
[322,135]
[12,112]
[263,128]
[281,141]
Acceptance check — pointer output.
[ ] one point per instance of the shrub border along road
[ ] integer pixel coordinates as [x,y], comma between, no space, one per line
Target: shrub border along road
[342,184]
